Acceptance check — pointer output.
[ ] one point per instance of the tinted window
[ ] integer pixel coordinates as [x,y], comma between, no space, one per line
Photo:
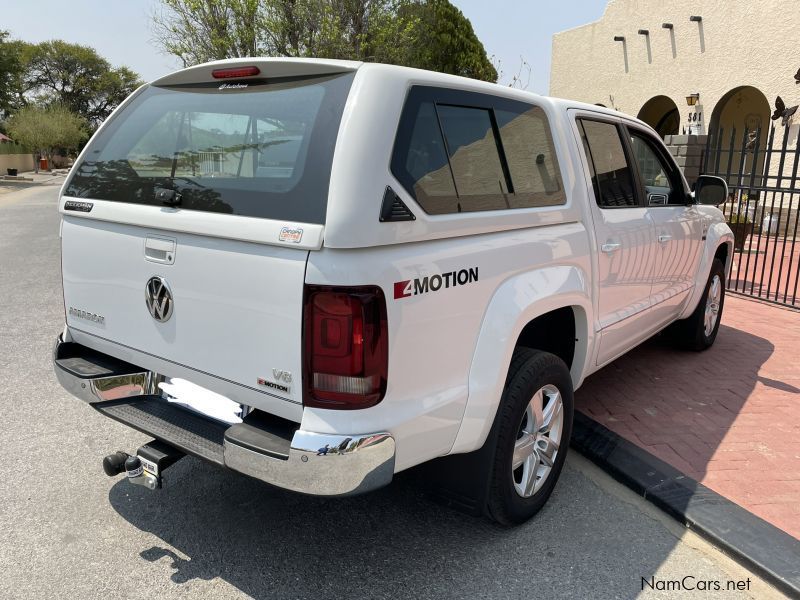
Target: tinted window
[427,166]
[462,152]
[655,173]
[611,174]
[474,157]
[263,151]
[531,158]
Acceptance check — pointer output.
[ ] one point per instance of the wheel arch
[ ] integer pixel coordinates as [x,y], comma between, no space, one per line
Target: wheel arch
[522,310]
[719,244]
[724,252]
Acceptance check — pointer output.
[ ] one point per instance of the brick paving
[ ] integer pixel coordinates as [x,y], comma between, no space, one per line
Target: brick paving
[728,417]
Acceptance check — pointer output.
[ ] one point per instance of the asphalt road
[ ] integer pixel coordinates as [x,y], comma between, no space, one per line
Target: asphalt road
[68,531]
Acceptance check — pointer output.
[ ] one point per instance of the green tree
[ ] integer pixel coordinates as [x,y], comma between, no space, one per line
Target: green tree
[370,30]
[11,69]
[198,31]
[45,130]
[76,77]
[446,42]
[392,31]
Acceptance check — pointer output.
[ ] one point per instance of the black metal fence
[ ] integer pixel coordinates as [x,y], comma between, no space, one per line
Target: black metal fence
[763,208]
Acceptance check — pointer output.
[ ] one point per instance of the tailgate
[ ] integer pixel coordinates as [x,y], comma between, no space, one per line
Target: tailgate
[236,311]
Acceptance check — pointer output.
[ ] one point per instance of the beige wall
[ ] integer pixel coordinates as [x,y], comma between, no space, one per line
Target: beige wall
[738,43]
[23,162]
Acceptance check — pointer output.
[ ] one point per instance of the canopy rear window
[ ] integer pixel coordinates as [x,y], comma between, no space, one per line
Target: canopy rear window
[260,148]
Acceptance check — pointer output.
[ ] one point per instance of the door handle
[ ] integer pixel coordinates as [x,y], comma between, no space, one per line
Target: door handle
[664,238]
[160,250]
[610,247]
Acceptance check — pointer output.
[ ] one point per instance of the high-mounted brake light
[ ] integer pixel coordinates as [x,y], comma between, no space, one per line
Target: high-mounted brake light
[235,72]
[346,347]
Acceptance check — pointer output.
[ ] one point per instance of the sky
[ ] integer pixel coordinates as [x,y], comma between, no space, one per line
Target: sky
[121,30]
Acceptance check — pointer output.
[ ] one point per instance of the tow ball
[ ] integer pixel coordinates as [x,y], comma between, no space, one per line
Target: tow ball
[146,467]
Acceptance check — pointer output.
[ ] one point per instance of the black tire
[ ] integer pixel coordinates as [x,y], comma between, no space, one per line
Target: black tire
[690,333]
[530,371]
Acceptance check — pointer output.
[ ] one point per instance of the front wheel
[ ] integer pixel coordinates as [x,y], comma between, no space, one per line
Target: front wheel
[699,330]
[534,425]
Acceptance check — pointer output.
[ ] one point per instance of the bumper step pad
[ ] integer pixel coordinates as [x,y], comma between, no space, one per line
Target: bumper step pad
[185,430]
[85,363]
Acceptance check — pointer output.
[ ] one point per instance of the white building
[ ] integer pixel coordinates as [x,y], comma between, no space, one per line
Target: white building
[645,57]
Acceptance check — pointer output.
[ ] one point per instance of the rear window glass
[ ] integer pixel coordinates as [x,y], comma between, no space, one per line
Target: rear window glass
[264,150]
[426,163]
[463,152]
[474,156]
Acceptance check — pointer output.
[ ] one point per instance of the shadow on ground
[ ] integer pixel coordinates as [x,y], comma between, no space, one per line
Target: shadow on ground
[679,404]
[270,543]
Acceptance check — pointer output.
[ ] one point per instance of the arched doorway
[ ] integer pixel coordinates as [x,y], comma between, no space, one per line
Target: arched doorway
[744,108]
[661,113]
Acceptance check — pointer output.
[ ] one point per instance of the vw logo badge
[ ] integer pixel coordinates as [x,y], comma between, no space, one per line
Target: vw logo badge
[158,298]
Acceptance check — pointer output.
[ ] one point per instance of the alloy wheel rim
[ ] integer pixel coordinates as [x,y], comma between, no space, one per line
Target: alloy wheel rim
[538,441]
[712,305]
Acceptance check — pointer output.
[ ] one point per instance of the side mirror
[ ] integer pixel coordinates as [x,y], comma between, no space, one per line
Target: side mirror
[710,190]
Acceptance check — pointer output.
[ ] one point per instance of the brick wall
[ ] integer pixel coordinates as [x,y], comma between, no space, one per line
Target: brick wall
[688,152]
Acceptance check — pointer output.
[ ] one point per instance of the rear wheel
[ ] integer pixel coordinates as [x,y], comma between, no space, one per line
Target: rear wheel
[698,331]
[534,424]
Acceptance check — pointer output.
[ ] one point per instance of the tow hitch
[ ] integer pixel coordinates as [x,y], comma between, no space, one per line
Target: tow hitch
[146,467]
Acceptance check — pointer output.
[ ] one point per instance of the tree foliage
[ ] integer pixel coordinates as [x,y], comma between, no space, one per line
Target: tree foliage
[370,30]
[430,34]
[447,42]
[75,77]
[10,73]
[44,130]
[198,31]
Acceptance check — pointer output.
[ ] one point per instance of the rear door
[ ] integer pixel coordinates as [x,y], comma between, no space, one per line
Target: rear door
[187,226]
[678,224]
[624,234]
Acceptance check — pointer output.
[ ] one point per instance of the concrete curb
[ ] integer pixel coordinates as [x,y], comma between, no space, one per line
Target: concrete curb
[769,552]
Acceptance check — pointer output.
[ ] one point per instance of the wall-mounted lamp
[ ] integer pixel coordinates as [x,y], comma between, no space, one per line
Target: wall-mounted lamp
[619,38]
[644,32]
[692,99]
[695,19]
[666,26]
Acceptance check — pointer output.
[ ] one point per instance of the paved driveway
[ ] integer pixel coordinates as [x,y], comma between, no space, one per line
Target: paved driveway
[728,417]
[68,531]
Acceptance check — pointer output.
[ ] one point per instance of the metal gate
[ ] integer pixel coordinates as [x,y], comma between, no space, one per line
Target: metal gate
[762,209]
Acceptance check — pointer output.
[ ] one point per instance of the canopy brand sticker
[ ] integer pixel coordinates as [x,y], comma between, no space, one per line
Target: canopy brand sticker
[79,206]
[291,234]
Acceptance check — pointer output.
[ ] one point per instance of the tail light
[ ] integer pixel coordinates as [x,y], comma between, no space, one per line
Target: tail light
[346,347]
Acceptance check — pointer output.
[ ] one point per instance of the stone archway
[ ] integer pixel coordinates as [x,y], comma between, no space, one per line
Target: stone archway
[744,108]
[662,114]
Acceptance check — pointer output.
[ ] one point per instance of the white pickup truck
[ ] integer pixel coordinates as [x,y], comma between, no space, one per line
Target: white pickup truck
[320,273]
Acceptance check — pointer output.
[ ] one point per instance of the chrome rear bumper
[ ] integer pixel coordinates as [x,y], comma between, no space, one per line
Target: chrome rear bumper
[298,460]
